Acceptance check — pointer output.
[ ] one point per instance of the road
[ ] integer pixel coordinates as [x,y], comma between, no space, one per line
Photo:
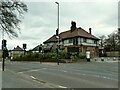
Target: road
[0,75]
[51,75]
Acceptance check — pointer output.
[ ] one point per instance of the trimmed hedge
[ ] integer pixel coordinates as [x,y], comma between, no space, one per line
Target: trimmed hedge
[39,57]
[47,57]
[39,60]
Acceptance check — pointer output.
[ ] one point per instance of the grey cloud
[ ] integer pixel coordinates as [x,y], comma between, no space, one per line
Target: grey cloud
[40,22]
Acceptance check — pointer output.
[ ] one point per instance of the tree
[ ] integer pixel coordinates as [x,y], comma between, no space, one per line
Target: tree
[102,40]
[102,44]
[11,13]
[112,42]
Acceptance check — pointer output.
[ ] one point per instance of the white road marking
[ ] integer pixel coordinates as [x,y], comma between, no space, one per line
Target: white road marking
[62,86]
[64,71]
[83,74]
[20,72]
[32,70]
[104,77]
[44,68]
[32,77]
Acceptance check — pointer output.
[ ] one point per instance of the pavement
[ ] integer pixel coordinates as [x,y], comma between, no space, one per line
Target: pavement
[65,75]
[105,59]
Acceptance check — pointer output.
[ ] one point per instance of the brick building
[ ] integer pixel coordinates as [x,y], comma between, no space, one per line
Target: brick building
[74,40]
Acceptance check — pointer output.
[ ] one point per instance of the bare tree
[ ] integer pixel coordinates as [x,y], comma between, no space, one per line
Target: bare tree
[102,40]
[11,13]
[112,42]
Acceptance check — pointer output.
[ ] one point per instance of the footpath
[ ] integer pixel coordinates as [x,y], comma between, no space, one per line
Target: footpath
[106,59]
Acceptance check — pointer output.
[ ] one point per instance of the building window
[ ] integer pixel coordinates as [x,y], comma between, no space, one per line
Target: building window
[75,41]
[95,42]
[70,40]
[84,40]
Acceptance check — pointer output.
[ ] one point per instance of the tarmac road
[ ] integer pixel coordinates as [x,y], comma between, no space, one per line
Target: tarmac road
[51,75]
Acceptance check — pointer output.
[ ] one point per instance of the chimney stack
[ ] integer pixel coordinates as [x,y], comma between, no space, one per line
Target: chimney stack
[90,30]
[73,26]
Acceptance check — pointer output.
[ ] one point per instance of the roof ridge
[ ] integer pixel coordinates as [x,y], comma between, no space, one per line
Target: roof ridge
[68,34]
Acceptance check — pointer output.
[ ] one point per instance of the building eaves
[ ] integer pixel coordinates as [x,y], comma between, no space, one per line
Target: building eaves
[17,49]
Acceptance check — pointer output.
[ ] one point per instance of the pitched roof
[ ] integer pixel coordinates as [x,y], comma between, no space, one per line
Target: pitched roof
[79,32]
[17,49]
[52,39]
[36,48]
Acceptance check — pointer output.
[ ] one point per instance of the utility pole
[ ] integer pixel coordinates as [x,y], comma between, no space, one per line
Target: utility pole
[57,35]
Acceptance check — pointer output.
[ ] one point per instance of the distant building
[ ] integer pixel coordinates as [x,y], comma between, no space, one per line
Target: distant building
[16,52]
[38,48]
[74,40]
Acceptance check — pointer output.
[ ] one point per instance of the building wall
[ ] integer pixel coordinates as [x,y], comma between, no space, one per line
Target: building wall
[83,41]
[94,51]
[15,54]
[83,44]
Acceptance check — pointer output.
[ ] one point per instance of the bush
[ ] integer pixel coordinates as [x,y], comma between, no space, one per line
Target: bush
[73,58]
[64,55]
[49,56]
[82,57]
[43,57]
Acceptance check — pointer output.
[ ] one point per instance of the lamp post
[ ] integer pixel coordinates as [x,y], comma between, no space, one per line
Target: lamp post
[119,42]
[57,35]
[58,14]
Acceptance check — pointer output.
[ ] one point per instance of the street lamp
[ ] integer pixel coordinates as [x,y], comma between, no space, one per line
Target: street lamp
[58,15]
[57,34]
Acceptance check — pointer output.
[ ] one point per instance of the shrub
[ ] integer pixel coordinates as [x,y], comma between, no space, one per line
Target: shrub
[82,57]
[73,57]
[44,57]
[64,55]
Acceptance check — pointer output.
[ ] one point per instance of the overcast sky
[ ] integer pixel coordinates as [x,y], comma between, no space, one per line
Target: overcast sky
[40,22]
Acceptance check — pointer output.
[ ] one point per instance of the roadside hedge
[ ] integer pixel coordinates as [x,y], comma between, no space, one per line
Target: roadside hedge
[39,57]
[47,57]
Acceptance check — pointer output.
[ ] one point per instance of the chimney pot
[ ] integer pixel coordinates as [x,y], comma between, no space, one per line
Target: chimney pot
[73,26]
[90,30]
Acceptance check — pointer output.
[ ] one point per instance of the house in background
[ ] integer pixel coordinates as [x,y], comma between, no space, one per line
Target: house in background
[38,48]
[75,40]
[16,52]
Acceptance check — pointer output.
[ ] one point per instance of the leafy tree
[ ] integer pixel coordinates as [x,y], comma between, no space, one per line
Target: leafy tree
[11,13]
